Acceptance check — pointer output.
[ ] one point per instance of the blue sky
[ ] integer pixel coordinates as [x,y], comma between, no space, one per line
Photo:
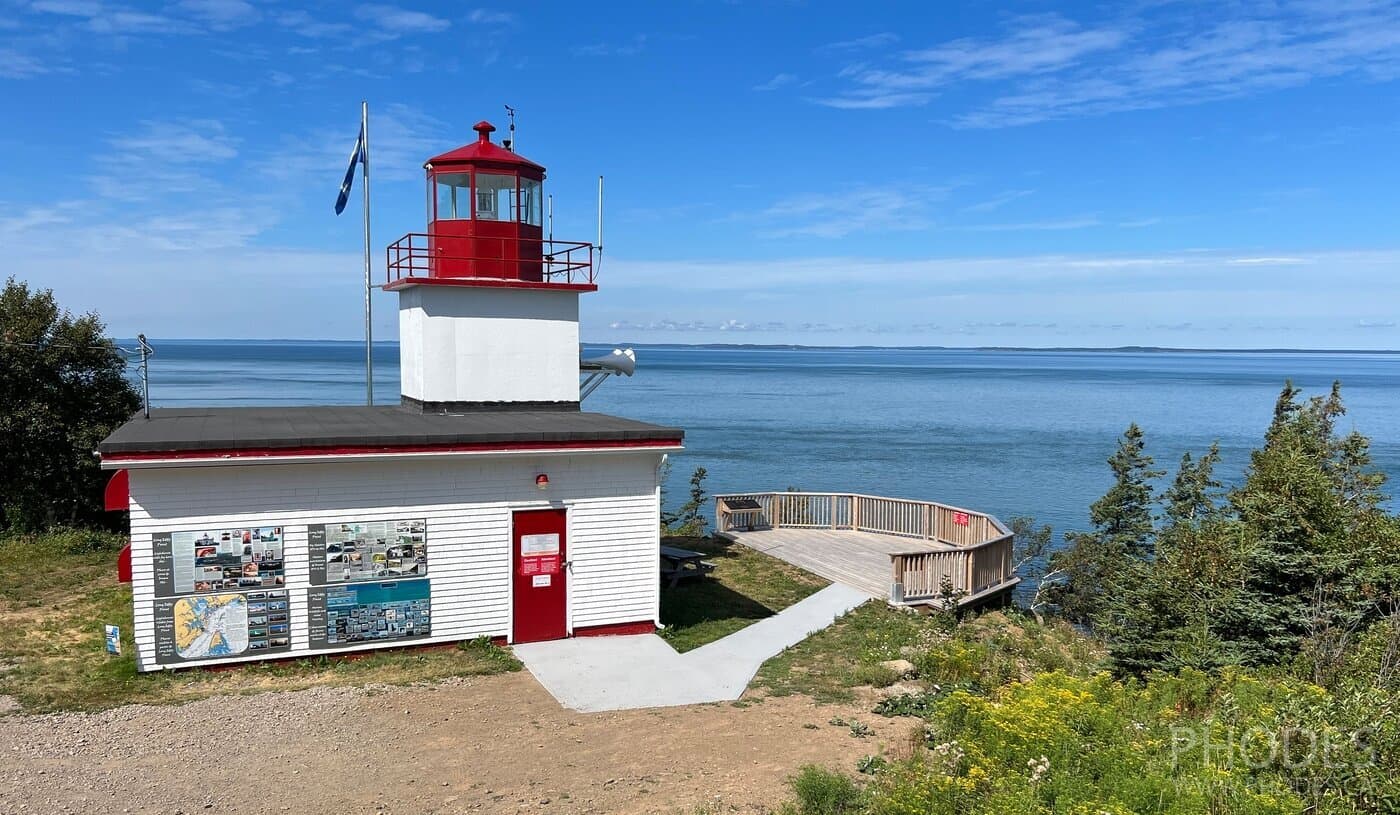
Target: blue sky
[1170,173]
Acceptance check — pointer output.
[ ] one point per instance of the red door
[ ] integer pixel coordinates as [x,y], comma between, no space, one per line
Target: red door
[537,568]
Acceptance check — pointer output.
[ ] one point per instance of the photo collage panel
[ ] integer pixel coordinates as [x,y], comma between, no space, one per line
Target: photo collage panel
[376,550]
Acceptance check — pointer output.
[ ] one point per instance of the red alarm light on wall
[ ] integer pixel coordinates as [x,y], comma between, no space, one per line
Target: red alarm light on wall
[542,481]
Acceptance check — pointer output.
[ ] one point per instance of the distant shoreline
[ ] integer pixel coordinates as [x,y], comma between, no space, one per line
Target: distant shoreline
[1119,349]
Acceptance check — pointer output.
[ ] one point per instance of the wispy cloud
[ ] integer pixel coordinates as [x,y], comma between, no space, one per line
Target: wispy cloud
[163,160]
[396,20]
[16,65]
[844,212]
[778,81]
[483,16]
[880,40]
[221,15]
[628,48]
[998,201]
[1268,261]
[301,23]
[1050,67]
[1049,225]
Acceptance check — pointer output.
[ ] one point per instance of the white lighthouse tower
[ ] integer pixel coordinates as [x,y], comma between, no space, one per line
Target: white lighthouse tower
[488,307]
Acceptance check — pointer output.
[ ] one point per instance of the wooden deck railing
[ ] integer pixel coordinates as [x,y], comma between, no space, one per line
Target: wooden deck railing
[980,560]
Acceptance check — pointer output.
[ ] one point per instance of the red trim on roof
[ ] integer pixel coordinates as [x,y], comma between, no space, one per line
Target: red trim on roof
[475,447]
[116,497]
[487,283]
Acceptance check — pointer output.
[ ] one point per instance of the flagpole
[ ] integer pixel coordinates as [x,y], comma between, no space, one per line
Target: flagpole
[369,324]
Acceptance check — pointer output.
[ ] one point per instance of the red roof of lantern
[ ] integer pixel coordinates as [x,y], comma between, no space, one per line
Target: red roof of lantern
[483,151]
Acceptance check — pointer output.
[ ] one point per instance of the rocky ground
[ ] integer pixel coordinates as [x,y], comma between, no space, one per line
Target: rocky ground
[487,744]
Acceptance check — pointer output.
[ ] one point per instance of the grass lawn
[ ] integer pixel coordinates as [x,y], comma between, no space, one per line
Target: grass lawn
[744,587]
[56,592]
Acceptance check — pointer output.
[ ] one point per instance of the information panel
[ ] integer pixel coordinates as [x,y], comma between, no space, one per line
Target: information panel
[217,560]
[367,551]
[369,612]
[218,626]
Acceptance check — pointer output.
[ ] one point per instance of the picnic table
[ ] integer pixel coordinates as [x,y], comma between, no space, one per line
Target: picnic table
[678,564]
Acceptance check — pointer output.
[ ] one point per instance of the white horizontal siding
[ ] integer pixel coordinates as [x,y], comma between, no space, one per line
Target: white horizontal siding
[612,540]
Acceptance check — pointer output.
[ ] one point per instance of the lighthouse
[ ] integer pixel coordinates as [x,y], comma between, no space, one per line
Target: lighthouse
[485,504]
[488,306]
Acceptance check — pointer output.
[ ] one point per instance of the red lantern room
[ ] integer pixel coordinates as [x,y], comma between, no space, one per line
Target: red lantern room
[485,213]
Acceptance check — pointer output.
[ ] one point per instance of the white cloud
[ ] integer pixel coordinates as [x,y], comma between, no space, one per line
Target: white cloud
[482,16]
[121,21]
[396,20]
[998,201]
[1051,225]
[1267,261]
[70,8]
[221,14]
[844,212]
[1049,67]
[609,49]
[882,39]
[303,24]
[193,140]
[16,65]
[778,81]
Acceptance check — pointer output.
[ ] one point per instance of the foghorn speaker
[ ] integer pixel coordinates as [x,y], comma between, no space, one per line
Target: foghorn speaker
[620,361]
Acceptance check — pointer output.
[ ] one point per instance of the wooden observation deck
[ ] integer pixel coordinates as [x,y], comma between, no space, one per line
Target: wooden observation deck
[908,552]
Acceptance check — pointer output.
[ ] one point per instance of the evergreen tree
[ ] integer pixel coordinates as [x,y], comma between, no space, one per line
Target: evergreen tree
[1099,564]
[1168,615]
[1319,558]
[690,520]
[1194,494]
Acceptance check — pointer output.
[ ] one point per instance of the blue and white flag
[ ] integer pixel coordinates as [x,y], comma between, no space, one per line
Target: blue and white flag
[356,156]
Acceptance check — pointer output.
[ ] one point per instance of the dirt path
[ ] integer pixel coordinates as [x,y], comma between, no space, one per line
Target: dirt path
[488,744]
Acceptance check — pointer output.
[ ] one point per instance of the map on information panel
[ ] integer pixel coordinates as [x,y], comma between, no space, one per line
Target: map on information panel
[211,626]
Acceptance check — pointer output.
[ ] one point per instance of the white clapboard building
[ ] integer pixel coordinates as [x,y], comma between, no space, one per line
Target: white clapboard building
[485,504]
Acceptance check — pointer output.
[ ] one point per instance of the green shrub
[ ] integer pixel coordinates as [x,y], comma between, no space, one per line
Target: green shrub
[822,792]
[872,765]
[877,676]
[68,541]
[908,704]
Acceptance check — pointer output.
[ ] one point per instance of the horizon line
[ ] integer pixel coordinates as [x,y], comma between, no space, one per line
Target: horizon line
[863,347]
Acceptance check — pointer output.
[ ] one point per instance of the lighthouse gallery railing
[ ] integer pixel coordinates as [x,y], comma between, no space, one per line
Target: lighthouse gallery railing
[415,255]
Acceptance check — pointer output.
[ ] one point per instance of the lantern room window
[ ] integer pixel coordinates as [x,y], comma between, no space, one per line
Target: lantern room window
[531,203]
[495,197]
[454,196]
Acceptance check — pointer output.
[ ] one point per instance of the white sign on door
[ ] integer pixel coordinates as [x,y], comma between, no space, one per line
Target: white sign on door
[540,581]
[539,544]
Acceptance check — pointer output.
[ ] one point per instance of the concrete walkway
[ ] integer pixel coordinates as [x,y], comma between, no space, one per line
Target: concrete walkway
[622,673]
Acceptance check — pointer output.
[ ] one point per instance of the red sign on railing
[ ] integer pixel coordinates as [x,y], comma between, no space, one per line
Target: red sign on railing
[960,518]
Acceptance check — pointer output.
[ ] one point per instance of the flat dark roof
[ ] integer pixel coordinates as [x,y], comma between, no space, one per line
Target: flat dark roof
[172,430]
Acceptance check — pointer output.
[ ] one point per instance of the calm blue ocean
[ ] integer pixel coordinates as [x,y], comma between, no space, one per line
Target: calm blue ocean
[1010,432]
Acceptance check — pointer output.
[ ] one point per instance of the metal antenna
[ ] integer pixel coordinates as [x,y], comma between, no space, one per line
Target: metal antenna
[510,112]
[146,352]
[600,224]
